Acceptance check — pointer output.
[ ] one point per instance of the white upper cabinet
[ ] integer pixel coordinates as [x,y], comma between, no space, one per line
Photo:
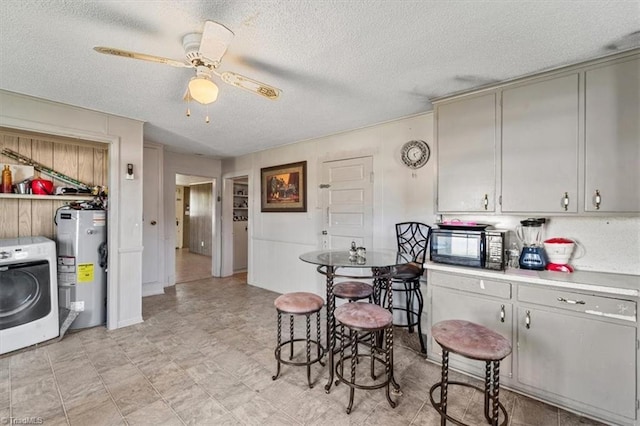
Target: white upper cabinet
[612,137]
[467,138]
[563,142]
[540,146]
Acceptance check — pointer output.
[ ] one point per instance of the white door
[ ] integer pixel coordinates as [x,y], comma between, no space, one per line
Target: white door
[151,209]
[240,245]
[179,216]
[347,201]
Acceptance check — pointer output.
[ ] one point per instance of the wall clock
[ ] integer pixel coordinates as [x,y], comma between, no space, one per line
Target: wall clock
[415,154]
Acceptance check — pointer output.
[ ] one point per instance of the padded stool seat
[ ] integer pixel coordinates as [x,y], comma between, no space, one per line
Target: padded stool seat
[365,319]
[352,290]
[475,342]
[471,340]
[363,316]
[408,271]
[299,303]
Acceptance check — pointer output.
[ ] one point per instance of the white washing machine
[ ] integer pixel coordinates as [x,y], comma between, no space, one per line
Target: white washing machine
[28,292]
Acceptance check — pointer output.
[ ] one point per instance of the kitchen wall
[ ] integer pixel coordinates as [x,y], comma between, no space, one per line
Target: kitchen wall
[277,239]
[611,244]
[124,138]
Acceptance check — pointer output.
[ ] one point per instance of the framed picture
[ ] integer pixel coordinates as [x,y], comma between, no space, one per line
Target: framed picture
[284,188]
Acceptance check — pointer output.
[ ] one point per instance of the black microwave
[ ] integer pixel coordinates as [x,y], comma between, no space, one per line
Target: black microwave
[479,249]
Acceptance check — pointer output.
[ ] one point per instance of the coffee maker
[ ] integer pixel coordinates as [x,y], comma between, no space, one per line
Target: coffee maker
[530,232]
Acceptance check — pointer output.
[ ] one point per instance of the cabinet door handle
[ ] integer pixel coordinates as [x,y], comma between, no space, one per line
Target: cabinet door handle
[485,201]
[571,302]
[502,313]
[597,199]
[565,201]
[527,320]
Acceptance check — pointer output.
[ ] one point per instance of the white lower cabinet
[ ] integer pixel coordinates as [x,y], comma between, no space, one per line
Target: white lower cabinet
[484,302]
[573,349]
[451,304]
[578,347]
[586,360]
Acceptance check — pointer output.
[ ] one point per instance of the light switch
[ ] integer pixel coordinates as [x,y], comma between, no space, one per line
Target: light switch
[129,175]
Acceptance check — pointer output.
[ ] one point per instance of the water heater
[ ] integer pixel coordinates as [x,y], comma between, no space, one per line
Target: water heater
[82,264]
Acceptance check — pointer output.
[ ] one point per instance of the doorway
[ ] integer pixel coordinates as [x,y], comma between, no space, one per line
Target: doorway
[194,201]
[240,223]
[236,214]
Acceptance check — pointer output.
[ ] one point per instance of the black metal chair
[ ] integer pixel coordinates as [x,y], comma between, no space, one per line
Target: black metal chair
[413,239]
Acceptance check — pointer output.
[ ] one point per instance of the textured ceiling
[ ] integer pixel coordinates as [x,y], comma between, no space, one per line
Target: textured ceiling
[340,64]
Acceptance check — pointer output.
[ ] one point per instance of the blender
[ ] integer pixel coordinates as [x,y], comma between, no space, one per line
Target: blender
[529,233]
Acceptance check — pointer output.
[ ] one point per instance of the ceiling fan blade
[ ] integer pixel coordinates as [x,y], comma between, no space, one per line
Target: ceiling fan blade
[142,56]
[250,85]
[215,40]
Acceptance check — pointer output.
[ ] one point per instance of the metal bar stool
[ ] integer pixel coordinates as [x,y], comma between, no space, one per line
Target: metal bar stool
[365,318]
[353,291]
[475,342]
[413,239]
[299,303]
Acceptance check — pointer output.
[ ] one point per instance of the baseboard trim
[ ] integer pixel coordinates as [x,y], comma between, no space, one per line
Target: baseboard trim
[130,321]
[152,289]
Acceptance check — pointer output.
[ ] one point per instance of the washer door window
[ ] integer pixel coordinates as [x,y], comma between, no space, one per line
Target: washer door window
[25,289]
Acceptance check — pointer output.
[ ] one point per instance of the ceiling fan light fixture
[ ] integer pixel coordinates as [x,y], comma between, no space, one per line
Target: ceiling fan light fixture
[203,90]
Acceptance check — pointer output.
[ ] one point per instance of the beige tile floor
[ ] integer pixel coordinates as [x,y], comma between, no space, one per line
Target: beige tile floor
[204,355]
[191,266]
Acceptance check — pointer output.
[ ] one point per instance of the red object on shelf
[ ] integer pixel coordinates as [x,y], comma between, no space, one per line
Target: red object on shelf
[559,268]
[41,187]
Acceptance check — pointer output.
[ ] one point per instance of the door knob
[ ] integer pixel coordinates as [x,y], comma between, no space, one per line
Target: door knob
[153,222]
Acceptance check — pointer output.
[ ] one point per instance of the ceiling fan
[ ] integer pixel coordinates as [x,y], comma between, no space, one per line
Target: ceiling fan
[204,52]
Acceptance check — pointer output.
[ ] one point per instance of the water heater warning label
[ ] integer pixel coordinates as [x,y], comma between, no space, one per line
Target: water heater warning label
[85,273]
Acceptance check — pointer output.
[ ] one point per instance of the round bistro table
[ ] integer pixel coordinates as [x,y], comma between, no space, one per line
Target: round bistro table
[336,263]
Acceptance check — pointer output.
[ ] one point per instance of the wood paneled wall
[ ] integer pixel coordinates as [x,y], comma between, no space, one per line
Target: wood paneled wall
[82,160]
[185,220]
[200,218]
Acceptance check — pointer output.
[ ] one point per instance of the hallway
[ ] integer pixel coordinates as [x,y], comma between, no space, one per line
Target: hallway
[191,267]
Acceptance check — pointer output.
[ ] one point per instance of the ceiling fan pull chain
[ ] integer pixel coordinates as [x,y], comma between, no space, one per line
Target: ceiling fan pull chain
[207,117]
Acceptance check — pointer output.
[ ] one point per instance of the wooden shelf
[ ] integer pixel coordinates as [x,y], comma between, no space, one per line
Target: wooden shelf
[241,208]
[77,197]
[241,195]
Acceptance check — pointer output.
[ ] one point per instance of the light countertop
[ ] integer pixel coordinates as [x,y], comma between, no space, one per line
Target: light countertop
[602,282]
